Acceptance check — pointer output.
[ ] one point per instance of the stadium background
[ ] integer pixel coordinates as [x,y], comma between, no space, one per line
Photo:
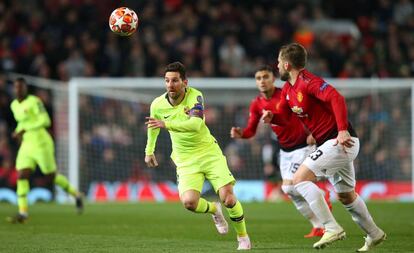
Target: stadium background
[65,39]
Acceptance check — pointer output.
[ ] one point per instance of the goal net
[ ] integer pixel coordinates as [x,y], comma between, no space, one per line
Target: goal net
[108,135]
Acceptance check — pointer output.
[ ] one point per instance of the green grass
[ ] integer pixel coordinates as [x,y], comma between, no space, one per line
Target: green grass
[152,227]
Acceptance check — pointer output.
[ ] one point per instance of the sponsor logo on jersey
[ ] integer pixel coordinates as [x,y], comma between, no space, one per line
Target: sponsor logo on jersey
[299,111]
[296,109]
[287,97]
[300,97]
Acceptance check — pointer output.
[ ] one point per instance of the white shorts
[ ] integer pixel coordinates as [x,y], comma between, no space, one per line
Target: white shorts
[332,162]
[290,161]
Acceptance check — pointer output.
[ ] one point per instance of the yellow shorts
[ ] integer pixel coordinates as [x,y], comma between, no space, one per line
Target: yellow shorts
[211,165]
[31,154]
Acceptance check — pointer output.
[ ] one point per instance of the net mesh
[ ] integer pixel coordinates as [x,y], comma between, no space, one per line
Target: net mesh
[113,134]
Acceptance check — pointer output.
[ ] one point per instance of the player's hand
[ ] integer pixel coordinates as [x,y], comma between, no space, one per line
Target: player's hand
[236,132]
[344,139]
[18,135]
[310,140]
[151,161]
[154,123]
[267,116]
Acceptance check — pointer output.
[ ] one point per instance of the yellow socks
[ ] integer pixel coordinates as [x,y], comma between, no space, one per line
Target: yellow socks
[22,191]
[205,206]
[237,218]
[63,182]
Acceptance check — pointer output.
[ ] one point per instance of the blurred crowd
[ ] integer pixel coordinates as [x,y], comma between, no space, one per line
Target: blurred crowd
[70,38]
[61,39]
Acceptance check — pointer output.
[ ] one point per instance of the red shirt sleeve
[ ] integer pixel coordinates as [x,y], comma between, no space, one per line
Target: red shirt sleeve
[326,93]
[254,118]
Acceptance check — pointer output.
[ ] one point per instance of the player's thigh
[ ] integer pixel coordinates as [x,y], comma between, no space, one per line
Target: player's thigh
[329,158]
[343,180]
[25,159]
[290,161]
[217,171]
[45,158]
[189,178]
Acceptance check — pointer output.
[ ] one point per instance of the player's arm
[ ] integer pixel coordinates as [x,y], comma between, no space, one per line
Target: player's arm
[19,130]
[325,92]
[281,115]
[18,133]
[152,135]
[42,119]
[250,130]
[310,140]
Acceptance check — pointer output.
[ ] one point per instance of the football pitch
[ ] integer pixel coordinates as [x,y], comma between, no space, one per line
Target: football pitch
[168,227]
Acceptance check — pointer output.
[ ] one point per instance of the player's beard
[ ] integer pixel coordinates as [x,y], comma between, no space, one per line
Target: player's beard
[284,76]
[174,95]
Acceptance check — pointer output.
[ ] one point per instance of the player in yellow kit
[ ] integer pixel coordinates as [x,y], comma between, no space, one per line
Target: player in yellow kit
[36,148]
[195,152]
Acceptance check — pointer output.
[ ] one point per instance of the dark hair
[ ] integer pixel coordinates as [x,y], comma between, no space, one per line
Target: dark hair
[295,54]
[176,67]
[21,80]
[266,68]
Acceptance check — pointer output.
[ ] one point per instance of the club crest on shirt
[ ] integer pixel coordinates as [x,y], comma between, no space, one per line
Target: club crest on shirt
[300,97]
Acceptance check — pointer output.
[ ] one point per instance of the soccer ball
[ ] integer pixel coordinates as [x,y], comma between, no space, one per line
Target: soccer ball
[123,21]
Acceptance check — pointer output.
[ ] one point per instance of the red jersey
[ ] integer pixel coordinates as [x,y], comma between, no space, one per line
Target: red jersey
[320,106]
[291,135]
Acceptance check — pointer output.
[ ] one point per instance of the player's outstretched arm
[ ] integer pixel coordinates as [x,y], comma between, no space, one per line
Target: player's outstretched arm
[236,133]
[154,123]
[267,116]
[152,132]
[151,161]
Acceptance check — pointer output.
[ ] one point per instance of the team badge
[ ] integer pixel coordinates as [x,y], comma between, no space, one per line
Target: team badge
[300,97]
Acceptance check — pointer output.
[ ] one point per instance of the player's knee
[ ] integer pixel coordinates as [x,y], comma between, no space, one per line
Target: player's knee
[303,174]
[289,190]
[229,200]
[190,204]
[347,198]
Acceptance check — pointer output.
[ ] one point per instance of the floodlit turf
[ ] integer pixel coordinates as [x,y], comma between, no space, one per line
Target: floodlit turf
[152,227]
